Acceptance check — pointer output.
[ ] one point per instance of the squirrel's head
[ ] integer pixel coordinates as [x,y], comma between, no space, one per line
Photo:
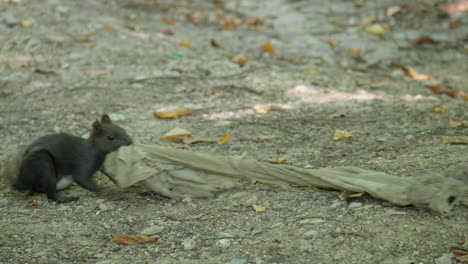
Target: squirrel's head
[107,136]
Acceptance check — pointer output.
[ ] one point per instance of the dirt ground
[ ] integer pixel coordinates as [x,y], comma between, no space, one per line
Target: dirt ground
[64,63]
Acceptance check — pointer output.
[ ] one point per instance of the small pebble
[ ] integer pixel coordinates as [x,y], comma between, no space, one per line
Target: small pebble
[152,230]
[189,244]
[355,205]
[224,243]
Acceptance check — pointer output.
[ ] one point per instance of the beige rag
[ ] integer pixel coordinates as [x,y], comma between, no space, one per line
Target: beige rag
[179,173]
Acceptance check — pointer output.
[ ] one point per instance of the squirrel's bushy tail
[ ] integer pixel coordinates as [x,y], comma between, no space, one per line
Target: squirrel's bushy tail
[11,169]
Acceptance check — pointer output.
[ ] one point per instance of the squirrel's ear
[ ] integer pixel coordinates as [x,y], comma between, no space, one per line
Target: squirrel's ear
[106,119]
[97,126]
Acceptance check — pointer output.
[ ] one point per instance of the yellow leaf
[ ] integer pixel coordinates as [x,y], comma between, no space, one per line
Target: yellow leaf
[311,72]
[318,62]
[240,59]
[178,110]
[354,52]
[262,109]
[259,208]
[333,43]
[340,135]
[132,240]
[457,122]
[413,74]
[26,24]
[177,133]
[348,195]
[376,29]
[439,109]
[268,48]
[224,139]
[281,160]
[185,42]
[454,140]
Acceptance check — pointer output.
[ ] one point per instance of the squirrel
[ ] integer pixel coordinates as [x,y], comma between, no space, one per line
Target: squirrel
[48,162]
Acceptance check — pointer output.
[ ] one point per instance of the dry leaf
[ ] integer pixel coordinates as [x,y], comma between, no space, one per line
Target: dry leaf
[348,195]
[169,21]
[318,62]
[368,20]
[240,59]
[187,140]
[34,203]
[462,258]
[458,251]
[393,10]
[167,32]
[438,89]
[340,135]
[354,52]
[463,241]
[465,97]
[214,43]
[268,48]
[109,27]
[18,62]
[424,40]
[216,90]
[178,110]
[376,29]
[259,208]
[132,17]
[26,23]
[262,109]
[281,160]
[84,40]
[195,17]
[413,74]
[132,240]
[185,42]
[454,140]
[311,72]
[439,109]
[45,70]
[454,23]
[95,72]
[457,122]
[224,139]
[176,133]
[254,21]
[333,43]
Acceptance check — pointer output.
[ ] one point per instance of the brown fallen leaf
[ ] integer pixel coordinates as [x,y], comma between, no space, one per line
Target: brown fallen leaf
[459,251]
[195,17]
[240,59]
[224,139]
[169,21]
[457,122]
[465,97]
[438,89]
[413,74]
[109,27]
[167,32]
[178,110]
[454,23]
[368,20]
[455,140]
[185,42]
[26,24]
[259,208]
[84,40]
[463,241]
[45,70]
[254,21]
[424,40]
[214,43]
[348,195]
[95,72]
[268,48]
[340,135]
[132,240]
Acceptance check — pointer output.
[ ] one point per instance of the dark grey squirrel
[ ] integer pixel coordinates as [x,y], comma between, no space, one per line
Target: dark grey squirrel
[48,162]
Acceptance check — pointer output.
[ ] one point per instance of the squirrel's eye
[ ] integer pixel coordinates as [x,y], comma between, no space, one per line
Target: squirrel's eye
[110,138]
